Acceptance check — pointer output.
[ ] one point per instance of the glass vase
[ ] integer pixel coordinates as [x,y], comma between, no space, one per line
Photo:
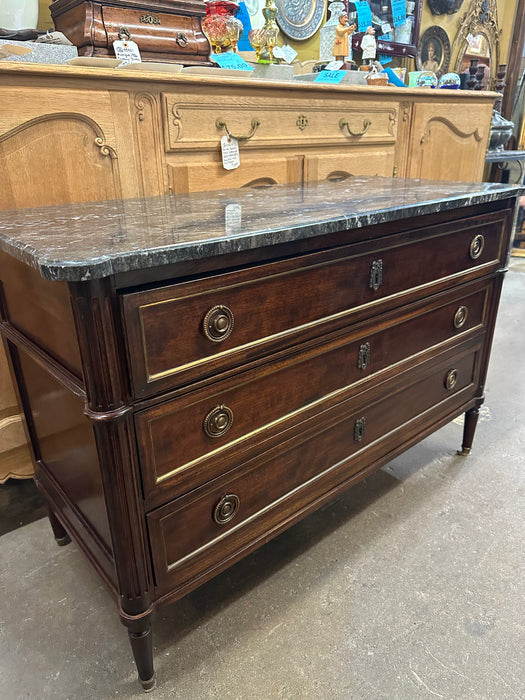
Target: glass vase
[221,25]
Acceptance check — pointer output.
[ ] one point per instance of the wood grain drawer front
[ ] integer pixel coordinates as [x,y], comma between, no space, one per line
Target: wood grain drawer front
[187,441]
[197,532]
[195,121]
[270,306]
[160,37]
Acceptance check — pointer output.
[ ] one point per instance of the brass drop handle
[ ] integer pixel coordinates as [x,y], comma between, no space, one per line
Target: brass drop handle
[476,246]
[182,39]
[218,421]
[460,317]
[221,124]
[226,509]
[343,124]
[451,379]
[218,323]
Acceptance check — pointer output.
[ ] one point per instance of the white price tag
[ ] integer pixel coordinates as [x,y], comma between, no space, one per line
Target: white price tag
[230,153]
[127,52]
[285,52]
[334,65]
[386,28]
[233,218]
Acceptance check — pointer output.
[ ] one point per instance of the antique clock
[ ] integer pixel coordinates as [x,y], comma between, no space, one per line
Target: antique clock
[165,30]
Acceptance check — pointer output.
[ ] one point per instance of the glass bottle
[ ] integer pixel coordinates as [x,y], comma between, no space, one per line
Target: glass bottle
[221,25]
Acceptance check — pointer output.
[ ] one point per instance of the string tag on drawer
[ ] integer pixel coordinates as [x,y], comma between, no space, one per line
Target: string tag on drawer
[127,51]
[230,153]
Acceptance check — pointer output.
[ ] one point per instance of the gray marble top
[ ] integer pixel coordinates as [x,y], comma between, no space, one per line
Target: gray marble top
[96,239]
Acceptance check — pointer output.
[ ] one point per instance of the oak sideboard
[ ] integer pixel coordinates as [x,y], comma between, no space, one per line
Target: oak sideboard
[198,372]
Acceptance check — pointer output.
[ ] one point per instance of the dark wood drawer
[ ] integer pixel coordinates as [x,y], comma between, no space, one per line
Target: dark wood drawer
[199,328]
[191,439]
[201,531]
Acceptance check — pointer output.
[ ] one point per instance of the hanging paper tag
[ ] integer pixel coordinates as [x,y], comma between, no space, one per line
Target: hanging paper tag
[364,15]
[230,153]
[285,52]
[127,51]
[233,218]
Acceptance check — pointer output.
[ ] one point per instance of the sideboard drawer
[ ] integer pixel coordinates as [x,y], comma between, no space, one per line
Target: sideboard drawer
[198,328]
[192,439]
[198,531]
[198,121]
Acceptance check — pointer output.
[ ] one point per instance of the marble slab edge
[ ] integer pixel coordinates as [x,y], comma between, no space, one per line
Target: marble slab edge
[108,265]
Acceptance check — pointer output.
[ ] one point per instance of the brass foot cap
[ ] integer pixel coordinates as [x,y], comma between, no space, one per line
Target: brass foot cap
[148,686]
[62,541]
[464,452]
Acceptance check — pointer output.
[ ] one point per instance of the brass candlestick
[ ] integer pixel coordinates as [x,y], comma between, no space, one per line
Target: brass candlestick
[268,33]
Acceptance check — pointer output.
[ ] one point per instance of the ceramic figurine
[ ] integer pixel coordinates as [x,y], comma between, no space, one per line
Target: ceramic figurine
[368,45]
[342,34]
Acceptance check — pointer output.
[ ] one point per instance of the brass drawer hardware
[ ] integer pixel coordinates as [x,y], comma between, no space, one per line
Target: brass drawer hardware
[477,245]
[451,379]
[343,124]
[302,122]
[364,356]
[218,421]
[182,39]
[221,124]
[460,317]
[376,275]
[149,19]
[218,323]
[226,509]
[359,429]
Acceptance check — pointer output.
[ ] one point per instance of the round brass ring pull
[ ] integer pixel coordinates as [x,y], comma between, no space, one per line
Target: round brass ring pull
[476,246]
[451,379]
[460,317]
[226,509]
[182,39]
[218,421]
[218,323]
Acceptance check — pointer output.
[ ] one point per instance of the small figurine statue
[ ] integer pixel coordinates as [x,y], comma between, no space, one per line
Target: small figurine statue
[368,45]
[342,34]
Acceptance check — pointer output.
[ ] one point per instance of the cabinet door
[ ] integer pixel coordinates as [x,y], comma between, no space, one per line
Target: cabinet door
[61,146]
[449,141]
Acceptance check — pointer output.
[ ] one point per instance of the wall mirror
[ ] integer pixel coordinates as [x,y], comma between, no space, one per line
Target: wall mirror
[478,39]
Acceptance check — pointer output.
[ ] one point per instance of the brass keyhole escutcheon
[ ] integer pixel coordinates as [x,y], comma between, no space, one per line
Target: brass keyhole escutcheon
[476,246]
[451,379]
[302,122]
[218,323]
[226,509]
[218,421]
[460,317]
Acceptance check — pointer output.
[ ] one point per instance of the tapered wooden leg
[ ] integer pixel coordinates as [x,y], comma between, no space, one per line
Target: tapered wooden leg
[471,420]
[142,646]
[60,534]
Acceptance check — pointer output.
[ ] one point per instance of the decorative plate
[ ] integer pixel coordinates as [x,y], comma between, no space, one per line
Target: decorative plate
[433,51]
[300,19]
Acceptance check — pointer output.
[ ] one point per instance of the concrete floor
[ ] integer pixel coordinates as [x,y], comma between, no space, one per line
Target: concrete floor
[409,586]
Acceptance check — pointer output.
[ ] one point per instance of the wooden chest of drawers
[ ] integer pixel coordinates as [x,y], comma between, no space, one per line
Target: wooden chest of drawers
[165,30]
[188,401]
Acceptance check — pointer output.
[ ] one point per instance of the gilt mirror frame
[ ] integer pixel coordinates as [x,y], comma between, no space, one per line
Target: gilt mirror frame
[481,17]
